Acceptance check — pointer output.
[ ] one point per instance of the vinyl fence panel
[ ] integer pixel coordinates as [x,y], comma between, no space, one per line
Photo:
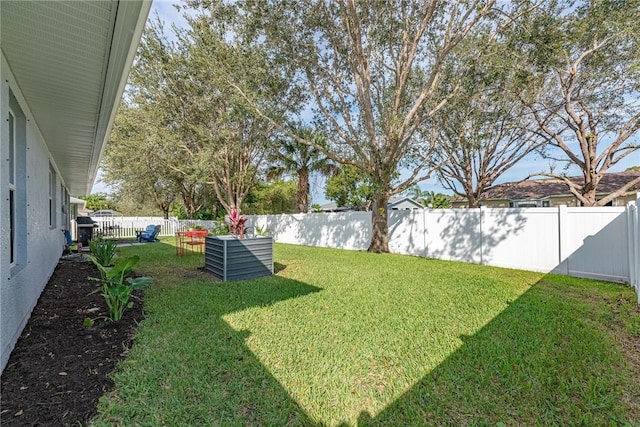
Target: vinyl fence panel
[601,243]
[350,230]
[597,241]
[126,227]
[454,234]
[523,238]
[407,232]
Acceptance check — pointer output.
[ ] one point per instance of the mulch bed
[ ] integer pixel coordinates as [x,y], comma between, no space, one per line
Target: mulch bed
[59,367]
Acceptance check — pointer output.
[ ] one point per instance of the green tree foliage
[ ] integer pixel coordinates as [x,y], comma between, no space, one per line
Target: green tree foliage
[295,158]
[439,201]
[99,201]
[372,69]
[429,199]
[272,198]
[582,59]
[483,132]
[184,135]
[131,162]
[351,188]
[223,135]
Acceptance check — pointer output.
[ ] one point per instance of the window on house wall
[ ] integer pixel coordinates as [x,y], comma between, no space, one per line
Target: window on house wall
[611,203]
[17,123]
[52,196]
[526,203]
[64,207]
[12,187]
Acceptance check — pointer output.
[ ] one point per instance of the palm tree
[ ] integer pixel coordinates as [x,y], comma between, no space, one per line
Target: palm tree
[294,157]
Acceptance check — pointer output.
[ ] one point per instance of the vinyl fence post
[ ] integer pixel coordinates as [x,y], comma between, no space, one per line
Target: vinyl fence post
[483,210]
[425,232]
[636,246]
[563,240]
[631,244]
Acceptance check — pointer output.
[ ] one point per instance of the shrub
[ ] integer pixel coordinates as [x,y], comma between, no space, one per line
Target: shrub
[219,228]
[116,288]
[102,251]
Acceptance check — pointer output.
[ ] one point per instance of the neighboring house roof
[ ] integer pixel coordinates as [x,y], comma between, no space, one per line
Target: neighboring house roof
[106,213]
[71,60]
[333,207]
[77,201]
[403,202]
[544,188]
[395,202]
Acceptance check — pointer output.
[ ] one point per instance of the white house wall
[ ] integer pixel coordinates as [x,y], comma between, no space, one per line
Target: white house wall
[21,284]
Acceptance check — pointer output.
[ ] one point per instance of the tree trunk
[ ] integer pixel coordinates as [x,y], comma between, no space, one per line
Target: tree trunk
[472,201]
[589,188]
[303,190]
[589,198]
[380,225]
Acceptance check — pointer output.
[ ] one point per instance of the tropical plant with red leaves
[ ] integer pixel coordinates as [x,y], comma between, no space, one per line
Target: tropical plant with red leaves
[236,223]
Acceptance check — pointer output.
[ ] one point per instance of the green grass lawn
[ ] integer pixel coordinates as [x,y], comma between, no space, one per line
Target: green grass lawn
[352,338]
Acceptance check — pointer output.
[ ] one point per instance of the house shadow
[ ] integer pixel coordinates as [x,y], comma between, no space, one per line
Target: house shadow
[210,376]
[542,350]
[536,361]
[603,250]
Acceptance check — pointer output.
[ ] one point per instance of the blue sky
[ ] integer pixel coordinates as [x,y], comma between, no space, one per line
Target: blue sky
[532,164]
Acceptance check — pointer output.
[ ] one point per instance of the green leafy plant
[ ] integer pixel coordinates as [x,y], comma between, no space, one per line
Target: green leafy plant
[262,231]
[219,228]
[117,288]
[103,251]
[192,226]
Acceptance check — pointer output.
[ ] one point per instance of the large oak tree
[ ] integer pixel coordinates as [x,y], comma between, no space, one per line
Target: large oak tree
[372,70]
[583,63]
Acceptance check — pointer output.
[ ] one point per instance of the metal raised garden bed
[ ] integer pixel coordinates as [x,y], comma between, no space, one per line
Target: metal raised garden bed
[231,258]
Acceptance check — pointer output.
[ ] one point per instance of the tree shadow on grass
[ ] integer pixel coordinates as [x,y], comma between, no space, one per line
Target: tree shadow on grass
[189,367]
[545,360]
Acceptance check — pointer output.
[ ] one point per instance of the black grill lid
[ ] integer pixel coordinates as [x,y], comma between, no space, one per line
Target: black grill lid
[85,220]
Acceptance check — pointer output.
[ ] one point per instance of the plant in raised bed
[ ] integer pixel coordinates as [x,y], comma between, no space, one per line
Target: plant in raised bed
[236,223]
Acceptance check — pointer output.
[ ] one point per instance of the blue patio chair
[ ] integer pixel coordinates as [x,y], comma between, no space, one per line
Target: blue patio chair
[150,234]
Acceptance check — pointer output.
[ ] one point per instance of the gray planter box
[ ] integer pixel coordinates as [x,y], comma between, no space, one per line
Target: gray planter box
[230,258]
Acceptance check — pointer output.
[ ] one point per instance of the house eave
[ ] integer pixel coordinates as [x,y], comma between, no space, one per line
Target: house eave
[71,61]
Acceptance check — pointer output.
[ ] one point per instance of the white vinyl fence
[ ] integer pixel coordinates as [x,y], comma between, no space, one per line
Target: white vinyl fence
[126,227]
[600,243]
[123,227]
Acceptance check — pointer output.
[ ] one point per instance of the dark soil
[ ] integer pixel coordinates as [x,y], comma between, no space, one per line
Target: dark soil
[59,367]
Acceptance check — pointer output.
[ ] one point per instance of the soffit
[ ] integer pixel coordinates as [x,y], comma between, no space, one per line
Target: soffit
[70,60]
